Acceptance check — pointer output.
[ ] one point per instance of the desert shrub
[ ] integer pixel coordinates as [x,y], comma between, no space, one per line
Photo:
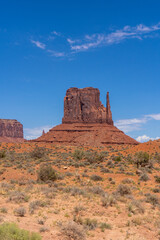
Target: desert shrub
[96,190]
[136,207]
[141,159]
[108,200]
[123,190]
[156,190]
[73,231]
[110,164]
[117,158]
[2,154]
[78,154]
[95,177]
[104,226]
[21,211]
[151,198]
[35,205]
[90,223]
[3,210]
[10,231]
[38,152]
[74,191]
[46,173]
[105,170]
[43,229]
[144,177]
[157,179]
[128,181]
[94,157]
[18,197]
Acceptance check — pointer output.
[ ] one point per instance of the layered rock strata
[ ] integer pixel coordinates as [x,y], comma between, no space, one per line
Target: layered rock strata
[11,131]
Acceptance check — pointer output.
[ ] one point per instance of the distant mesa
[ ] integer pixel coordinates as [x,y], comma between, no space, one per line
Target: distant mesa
[11,131]
[86,121]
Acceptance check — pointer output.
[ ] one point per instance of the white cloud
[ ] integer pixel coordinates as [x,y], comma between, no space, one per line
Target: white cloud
[129,125]
[39,44]
[154,116]
[145,138]
[56,33]
[56,54]
[32,133]
[127,32]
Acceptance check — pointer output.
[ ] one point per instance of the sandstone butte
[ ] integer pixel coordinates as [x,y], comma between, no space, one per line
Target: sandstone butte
[11,131]
[86,122]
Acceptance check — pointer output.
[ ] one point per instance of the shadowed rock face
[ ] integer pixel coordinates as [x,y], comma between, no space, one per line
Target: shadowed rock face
[11,129]
[84,106]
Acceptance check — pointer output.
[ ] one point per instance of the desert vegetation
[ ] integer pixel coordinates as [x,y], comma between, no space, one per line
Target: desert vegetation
[49,191]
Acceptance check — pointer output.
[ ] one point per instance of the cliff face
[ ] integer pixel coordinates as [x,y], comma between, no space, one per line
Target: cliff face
[84,106]
[11,129]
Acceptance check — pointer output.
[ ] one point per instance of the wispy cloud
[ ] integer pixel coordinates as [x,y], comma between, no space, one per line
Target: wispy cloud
[67,46]
[32,133]
[145,138]
[56,33]
[134,124]
[154,116]
[127,32]
[39,44]
[129,125]
[56,54]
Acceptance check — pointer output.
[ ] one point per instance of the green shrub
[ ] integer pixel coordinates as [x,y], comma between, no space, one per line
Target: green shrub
[38,152]
[78,154]
[94,157]
[117,159]
[46,173]
[2,154]
[141,159]
[10,231]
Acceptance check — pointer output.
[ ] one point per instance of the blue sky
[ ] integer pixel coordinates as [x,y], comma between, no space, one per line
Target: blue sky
[48,46]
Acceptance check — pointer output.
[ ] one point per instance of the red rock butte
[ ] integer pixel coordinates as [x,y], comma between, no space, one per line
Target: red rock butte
[86,121]
[11,131]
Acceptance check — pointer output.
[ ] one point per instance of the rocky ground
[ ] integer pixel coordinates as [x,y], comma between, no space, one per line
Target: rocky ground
[110,192]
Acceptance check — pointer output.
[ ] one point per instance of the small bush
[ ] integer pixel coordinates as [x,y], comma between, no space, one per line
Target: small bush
[18,197]
[141,159]
[104,226]
[94,157]
[144,177]
[2,154]
[72,230]
[90,223]
[108,200]
[10,231]
[78,154]
[46,173]
[136,207]
[123,190]
[3,210]
[151,198]
[38,152]
[157,179]
[117,159]
[95,177]
[21,211]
